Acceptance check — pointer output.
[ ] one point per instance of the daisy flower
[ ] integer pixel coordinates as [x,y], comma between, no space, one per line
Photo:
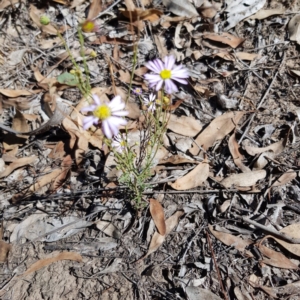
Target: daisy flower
[150,102]
[109,114]
[165,73]
[138,91]
[119,143]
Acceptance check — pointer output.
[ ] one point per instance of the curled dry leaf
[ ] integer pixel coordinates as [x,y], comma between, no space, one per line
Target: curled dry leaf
[158,216]
[194,178]
[243,179]
[187,126]
[21,162]
[231,240]
[285,178]
[276,259]
[216,130]
[240,9]
[47,261]
[292,231]
[65,168]
[281,291]
[238,55]
[4,250]
[183,8]
[158,239]
[236,155]
[294,29]
[265,13]
[225,38]
[277,148]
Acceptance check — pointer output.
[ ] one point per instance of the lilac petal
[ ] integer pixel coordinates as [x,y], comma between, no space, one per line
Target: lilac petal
[159,85]
[180,73]
[183,81]
[152,77]
[169,62]
[96,99]
[159,64]
[89,108]
[152,66]
[170,87]
[106,130]
[89,121]
[120,113]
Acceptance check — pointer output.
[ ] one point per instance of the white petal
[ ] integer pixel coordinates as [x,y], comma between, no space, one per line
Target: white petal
[170,87]
[152,77]
[89,121]
[116,121]
[106,129]
[180,73]
[159,85]
[169,62]
[183,81]
[115,102]
[152,66]
[120,113]
[96,99]
[89,108]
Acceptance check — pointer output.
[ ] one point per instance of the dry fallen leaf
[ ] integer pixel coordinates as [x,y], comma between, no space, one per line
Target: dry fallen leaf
[183,8]
[194,178]
[275,258]
[294,29]
[225,38]
[265,13]
[277,148]
[158,216]
[21,162]
[158,239]
[238,55]
[187,126]
[285,178]
[236,155]
[47,261]
[95,9]
[65,168]
[231,240]
[18,93]
[216,130]
[243,179]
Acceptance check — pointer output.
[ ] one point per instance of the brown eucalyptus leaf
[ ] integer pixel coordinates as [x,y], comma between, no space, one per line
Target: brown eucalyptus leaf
[225,38]
[236,155]
[158,216]
[187,126]
[275,258]
[17,93]
[243,179]
[216,130]
[158,239]
[21,162]
[294,29]
[285,178]
[231,240]
[47,261]
[4,250]
[277,148]
[194,178]
[265,13]
[65,168]
[95,9]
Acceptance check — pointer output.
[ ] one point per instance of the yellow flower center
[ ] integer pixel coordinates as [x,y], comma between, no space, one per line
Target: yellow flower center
[165,74]
[88,26]
[102,112]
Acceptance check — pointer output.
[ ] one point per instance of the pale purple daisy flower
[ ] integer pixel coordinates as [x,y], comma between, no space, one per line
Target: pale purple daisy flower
[165,73]
[138,91]
[109,114]
[150,102]
[119,143]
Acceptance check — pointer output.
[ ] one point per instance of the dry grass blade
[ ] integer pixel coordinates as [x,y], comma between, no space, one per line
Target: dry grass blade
[158,216]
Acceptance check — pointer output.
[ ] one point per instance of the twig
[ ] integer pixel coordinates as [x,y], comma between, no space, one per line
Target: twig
[217,269]
[262,99]
[278,234]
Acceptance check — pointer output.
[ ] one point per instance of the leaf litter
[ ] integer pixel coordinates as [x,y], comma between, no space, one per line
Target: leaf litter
[58,185]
